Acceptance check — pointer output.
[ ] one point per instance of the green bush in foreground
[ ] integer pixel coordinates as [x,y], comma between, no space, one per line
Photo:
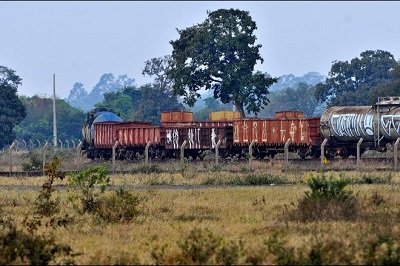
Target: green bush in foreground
[326,200]
[121,206]
[86,182]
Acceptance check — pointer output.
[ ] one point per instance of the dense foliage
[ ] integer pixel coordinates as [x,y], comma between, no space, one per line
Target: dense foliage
[12,111]
[219,54]
[38,124]
[350,83]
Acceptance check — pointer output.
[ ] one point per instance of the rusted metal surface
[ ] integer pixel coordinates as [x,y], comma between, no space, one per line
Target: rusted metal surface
[176,116]
[273,132]
[289,114]
[104,135]
[223,116]
[199,135]
[134,135]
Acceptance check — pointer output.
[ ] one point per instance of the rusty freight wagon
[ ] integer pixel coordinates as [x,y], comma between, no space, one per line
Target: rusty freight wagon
[270,135]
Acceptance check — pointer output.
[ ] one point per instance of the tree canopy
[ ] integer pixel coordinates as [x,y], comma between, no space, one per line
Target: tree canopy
[12,111]
[38,124]
[220,54]
[298,98]
[350,83]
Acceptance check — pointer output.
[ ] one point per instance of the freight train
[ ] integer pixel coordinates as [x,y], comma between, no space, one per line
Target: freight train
[343,127]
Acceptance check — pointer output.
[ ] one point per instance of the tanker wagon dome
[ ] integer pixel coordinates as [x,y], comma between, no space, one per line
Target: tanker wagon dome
[348,123]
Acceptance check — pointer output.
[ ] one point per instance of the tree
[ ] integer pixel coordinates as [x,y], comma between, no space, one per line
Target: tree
[350,83]
[119,103]
[220,54]
[38,123]
[388,88]
[12,111]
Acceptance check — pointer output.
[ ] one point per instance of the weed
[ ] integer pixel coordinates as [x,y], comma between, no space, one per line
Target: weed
[85,181]
[121,206]
[17,246]
[256,180]
[44,204]
[35,162]
[327,200]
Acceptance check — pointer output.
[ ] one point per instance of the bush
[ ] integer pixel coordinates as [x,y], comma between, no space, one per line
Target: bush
[44,204]
[19,247]
[35,162]
[327,200]
[85,181]
[200,246]
[121,206]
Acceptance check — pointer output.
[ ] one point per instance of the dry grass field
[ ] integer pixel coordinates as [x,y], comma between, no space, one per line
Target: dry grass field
[201,214]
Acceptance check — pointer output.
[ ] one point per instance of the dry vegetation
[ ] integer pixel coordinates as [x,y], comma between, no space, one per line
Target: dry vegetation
[258,216]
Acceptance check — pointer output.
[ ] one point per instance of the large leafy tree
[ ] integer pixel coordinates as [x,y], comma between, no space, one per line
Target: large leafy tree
[350,83]
[12,111]
[220,54]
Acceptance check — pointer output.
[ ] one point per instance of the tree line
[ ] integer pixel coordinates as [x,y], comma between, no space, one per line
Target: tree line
[217,55]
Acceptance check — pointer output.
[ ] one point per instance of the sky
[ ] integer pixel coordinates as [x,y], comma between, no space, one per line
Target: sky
[79,41]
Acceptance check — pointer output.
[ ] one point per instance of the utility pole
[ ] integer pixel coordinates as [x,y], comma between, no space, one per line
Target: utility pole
[54,113]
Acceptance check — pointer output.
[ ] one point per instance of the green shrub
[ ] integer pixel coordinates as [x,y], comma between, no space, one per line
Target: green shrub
[44,204]
[121,206]
[19,247]
[35,162]
[86,182]
[327,200]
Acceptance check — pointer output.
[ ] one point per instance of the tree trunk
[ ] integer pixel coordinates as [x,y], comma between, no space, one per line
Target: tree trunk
[239,108]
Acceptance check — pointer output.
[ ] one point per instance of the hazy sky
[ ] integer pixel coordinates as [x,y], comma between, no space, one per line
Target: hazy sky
[80,41]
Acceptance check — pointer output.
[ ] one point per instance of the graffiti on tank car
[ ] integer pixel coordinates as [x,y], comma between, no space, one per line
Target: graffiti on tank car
[352,125]
[389,122]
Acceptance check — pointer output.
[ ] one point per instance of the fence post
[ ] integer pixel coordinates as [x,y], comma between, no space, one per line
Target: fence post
[73,143]
[113,156]
[67,143]
[146,153]
[251,152]
[395,152]
[217,152]
[183,152]
[78,156]
[24,144]
[10,154]
[40,144]
[61,145]
[32,144]
[286,151]
[359,151]
[44,155]
[323,151]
